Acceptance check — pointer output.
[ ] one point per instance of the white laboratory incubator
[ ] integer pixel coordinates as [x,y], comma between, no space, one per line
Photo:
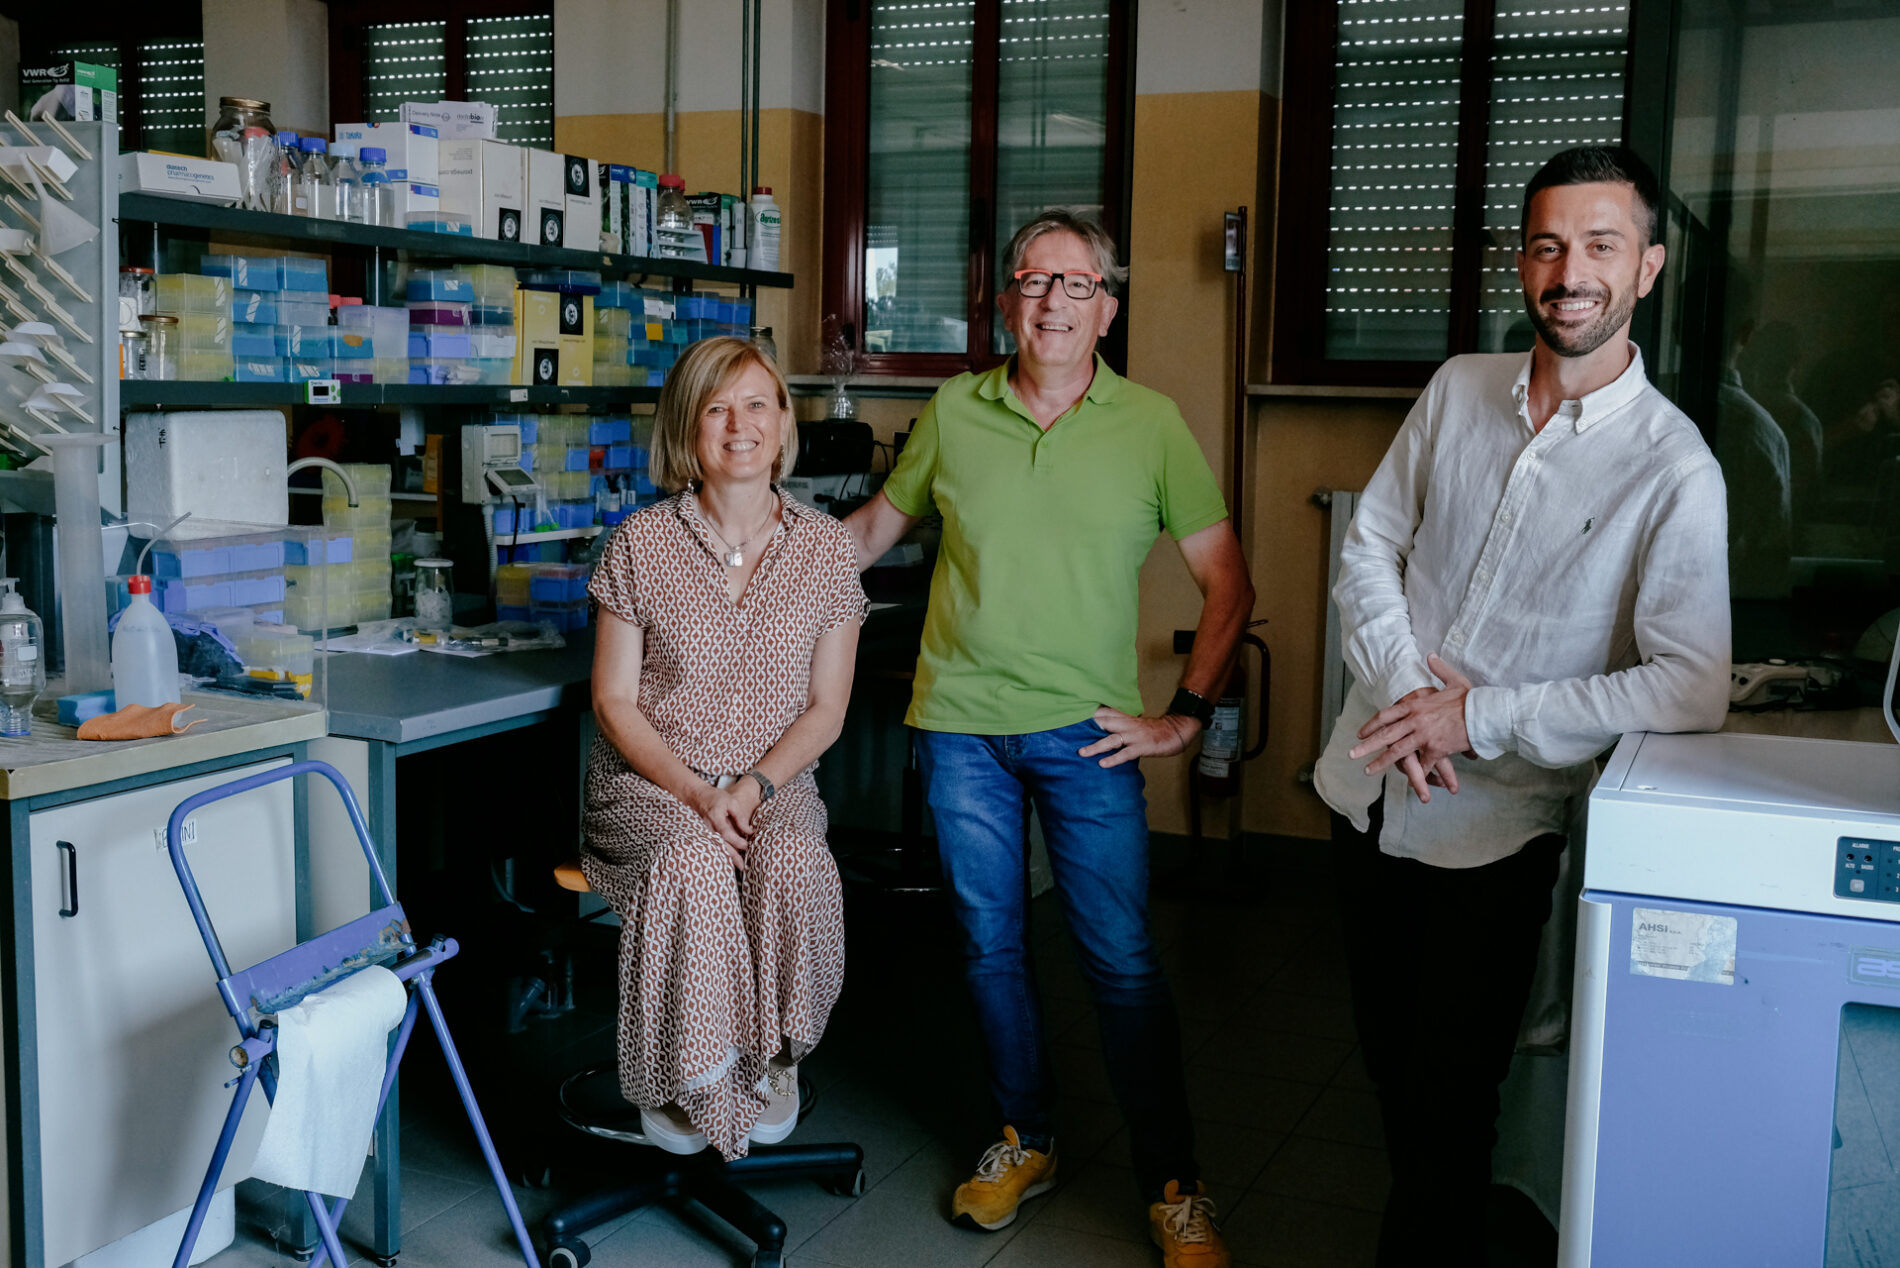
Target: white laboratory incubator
[1735,1054]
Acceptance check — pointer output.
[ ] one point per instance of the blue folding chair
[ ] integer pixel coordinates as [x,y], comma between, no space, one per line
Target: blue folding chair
[254,995]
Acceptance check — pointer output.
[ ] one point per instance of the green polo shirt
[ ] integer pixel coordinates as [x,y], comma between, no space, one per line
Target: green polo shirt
[1035,598]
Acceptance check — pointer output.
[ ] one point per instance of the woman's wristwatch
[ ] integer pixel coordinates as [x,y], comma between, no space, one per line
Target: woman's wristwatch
[765,785]
[1192,704]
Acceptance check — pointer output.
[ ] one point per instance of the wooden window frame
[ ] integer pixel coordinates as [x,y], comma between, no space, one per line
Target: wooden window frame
[349,17]
[847,158]
[1298,342]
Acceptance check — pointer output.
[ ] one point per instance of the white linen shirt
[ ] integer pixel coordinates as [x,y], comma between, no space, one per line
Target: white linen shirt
[1578,576]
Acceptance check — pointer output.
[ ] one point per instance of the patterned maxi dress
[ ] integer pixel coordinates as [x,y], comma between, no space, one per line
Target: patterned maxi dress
[718,967]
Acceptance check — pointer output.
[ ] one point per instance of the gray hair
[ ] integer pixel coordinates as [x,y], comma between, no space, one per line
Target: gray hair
[1067,220]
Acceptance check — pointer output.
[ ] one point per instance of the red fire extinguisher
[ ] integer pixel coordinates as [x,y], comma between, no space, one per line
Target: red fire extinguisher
[1224,743]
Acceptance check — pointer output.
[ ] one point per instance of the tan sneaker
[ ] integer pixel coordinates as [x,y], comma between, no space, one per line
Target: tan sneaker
[1007,1176]
[1182,1225]
[780,1088]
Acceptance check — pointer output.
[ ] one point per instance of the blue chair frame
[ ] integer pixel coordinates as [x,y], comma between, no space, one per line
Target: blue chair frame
[253,994]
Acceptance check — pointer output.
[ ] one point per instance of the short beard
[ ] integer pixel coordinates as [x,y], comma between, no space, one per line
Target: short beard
[1581,343]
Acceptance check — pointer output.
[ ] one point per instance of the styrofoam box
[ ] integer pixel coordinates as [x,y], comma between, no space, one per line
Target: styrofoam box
[223,466]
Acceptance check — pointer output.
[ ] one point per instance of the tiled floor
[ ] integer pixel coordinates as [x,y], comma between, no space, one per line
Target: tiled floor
[1289,1136]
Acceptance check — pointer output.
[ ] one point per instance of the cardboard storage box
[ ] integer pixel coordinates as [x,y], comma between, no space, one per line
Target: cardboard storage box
[545,216]
[413,148]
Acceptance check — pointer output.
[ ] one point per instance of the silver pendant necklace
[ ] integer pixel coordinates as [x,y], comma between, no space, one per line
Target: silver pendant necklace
[734,556]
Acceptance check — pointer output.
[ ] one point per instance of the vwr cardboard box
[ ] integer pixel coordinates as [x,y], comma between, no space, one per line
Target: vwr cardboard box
[545,218]
[482,180]
[413,148]
[79,91]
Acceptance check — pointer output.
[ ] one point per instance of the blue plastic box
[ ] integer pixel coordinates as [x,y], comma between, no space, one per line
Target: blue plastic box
[441,284]
[191,561]
[334,550]
[443,347]
[510,613]
[265,273]
[609,431]
[619,458]
[311,276]
[251,340]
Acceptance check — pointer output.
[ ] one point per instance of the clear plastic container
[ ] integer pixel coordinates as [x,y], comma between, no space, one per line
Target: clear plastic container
[435,594]
[182,293]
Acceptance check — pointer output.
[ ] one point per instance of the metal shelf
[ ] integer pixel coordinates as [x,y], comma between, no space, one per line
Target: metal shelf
[314,234]
[185,394]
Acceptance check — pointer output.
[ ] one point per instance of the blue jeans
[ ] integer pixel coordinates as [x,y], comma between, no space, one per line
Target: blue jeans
[1096,826]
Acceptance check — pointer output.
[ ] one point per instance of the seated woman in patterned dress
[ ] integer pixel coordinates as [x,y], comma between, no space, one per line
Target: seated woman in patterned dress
[729,619]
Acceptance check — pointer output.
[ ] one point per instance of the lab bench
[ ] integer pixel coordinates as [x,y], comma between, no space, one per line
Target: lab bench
[113,1065]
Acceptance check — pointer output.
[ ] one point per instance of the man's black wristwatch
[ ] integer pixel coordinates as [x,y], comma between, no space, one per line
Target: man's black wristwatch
[1192,704]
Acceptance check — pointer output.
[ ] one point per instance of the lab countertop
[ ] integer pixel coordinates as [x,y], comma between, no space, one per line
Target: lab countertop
[405,699]
[53,759]
[402,699]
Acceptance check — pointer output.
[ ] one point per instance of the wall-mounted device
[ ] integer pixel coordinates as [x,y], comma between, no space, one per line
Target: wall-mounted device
[491,465]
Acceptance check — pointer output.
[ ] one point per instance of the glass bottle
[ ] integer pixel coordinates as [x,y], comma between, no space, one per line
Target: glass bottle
[161,351]
[312,179]
[22,666]
[345,185]
[376,201]
[672,211]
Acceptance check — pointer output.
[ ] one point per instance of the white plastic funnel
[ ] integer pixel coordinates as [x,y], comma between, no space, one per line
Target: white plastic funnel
[82,562]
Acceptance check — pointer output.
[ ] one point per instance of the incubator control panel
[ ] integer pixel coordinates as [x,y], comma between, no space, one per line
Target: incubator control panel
[1867,869]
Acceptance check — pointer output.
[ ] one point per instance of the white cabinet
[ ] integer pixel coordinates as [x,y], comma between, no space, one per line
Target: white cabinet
[130,1033]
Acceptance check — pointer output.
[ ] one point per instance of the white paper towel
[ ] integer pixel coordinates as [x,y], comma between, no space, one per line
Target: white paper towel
[332,1049]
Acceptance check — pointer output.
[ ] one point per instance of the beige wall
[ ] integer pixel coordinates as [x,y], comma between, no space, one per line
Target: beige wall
[274,50]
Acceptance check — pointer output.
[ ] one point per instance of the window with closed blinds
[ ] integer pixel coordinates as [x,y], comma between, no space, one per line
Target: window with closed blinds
[1421,120]
[1557,77]
[977,115]
[1395,164]
[511,66]
[1051,117]
[917,220]
[171,95]
[403,61]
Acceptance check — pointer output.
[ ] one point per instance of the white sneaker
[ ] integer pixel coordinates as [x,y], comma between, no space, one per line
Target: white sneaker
[670,1129]
[780,1088]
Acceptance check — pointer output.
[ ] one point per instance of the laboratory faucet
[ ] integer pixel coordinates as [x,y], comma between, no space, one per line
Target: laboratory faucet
[349,485]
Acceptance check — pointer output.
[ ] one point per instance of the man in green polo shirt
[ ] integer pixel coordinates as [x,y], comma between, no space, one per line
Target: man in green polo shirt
[1054,476]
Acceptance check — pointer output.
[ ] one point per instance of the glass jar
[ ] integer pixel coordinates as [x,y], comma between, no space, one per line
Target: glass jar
[161,351]
[132,354]
[435,599]
[138,284]
[762,335]
[245,137]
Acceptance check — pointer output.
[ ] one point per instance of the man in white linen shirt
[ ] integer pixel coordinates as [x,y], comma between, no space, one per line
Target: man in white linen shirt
[1538,566]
